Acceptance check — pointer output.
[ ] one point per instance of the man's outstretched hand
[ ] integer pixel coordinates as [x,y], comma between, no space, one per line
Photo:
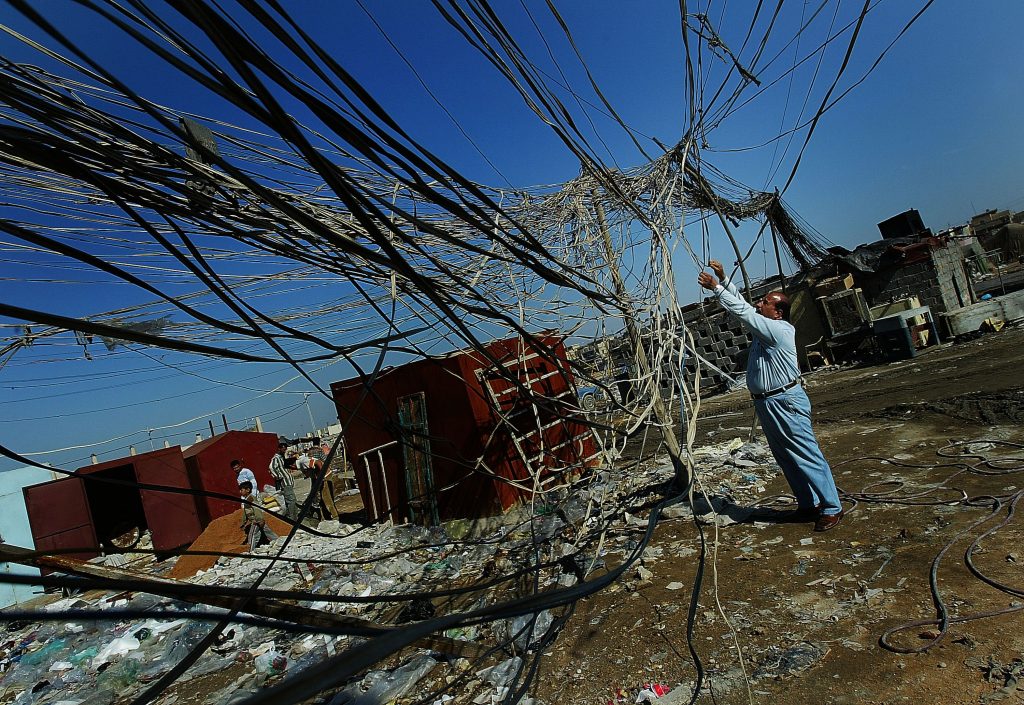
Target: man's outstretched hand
[707,281]
[717,268]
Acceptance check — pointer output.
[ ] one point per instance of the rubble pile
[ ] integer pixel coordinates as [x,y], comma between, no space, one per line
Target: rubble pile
[570,533]
[222,535]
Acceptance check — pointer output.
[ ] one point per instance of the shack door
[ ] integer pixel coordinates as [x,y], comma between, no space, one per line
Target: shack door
[419,476]
[58,512]
[172,517]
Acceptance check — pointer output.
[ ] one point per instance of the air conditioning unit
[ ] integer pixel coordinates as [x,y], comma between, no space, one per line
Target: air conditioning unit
[845,311]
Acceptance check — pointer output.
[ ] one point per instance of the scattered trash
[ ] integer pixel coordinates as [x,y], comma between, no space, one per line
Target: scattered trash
[415,611]
[270,663]
[651,692]
[710,510]
[90,666]
[117,647]
[384,687]
[1009,677]
[792,661]
[524,631]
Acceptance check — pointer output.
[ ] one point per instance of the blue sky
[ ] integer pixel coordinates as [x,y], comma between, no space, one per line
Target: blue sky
[935,127]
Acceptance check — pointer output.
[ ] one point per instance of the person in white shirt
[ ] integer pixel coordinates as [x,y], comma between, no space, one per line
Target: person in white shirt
[782,406]
[244,474]
[302,462]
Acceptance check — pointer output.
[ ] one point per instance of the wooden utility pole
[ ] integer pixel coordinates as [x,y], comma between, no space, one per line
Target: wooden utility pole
[778,256]
[681,464]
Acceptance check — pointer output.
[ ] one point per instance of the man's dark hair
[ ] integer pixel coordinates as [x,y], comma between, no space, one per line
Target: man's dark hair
[235,462]
[782,305]
[282,444]
[245,486]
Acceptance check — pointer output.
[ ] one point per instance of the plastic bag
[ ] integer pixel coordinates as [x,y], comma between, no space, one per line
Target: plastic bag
[45,655]
[317,654]
[518,629]
[177,647]
[272,497]
[86,654]
[271,663]
[118,647]
[120,675]
[384,687]
[502,674]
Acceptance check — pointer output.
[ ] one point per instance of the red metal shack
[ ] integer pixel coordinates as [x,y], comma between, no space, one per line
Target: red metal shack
[454,436]
[86,512]
[209,468]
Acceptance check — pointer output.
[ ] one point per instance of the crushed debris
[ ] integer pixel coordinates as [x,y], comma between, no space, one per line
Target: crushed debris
[222,535]
[364,562]
[1009,677]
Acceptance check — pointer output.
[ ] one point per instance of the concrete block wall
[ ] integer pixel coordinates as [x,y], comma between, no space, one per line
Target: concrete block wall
[955,285]
[940,282]
[919,279]
[721,340]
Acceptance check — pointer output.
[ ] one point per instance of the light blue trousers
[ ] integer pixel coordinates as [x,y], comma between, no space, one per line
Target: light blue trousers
[786,420]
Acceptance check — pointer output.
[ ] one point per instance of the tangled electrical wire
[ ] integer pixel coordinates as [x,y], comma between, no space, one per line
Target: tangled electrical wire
[958,454]
[411,259]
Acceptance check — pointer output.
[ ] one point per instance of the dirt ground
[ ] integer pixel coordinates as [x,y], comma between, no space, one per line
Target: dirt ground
[784,586]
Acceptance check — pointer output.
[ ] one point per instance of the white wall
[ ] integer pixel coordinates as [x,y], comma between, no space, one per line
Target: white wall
[15,529]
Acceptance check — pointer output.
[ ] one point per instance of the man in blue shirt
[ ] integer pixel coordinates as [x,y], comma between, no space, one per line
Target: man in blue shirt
[782,406]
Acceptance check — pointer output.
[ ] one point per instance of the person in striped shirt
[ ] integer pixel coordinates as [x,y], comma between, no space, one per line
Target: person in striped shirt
[283,482]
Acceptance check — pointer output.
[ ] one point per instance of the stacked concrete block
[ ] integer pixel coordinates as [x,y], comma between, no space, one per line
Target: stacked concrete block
[940,281]
[955,286]
[720,340]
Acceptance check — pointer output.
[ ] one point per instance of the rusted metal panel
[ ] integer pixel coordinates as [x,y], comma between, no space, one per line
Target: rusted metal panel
[373,439]
[463,394]
[209,468]
[172,517]
[58,512]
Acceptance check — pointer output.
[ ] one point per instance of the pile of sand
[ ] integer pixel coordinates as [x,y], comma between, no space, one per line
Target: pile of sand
[222,536]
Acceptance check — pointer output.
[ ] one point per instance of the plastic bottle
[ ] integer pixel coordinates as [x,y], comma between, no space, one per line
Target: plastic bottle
[73,677]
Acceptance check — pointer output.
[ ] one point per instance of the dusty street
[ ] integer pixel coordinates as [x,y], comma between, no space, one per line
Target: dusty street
[808,609]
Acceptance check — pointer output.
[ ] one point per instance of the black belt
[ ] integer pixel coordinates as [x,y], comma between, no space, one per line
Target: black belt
[772,393]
